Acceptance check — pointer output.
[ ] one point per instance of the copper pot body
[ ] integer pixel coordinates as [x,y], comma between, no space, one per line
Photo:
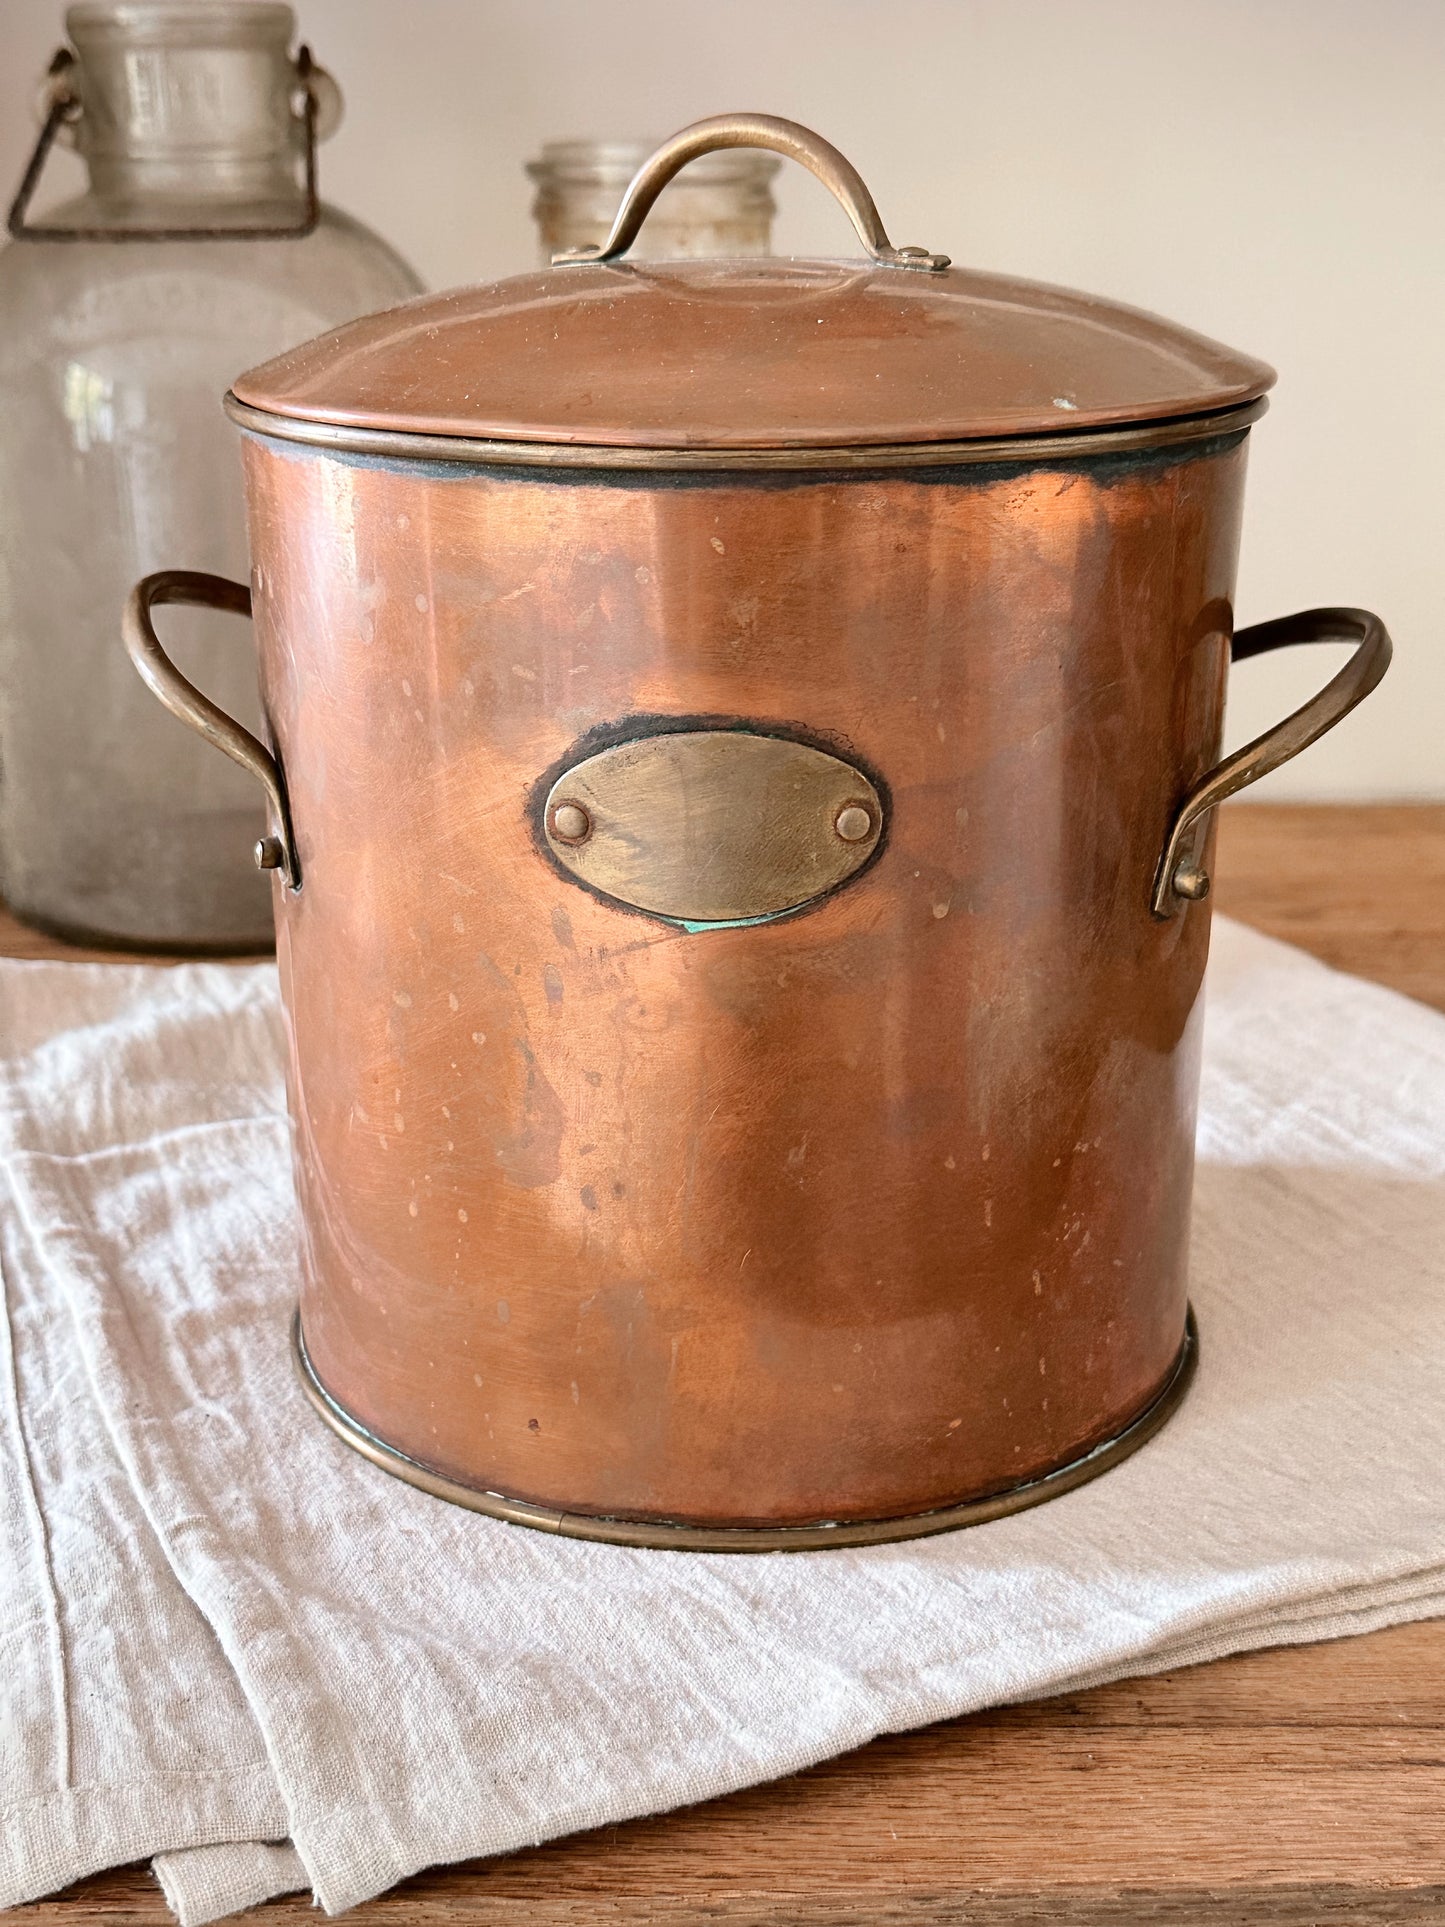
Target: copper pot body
[851,1215]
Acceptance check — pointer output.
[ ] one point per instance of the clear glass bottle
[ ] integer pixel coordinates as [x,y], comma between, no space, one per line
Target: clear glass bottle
[721,204]
[115,458]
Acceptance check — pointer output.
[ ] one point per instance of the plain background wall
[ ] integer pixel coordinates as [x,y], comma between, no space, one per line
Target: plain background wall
[1269,171]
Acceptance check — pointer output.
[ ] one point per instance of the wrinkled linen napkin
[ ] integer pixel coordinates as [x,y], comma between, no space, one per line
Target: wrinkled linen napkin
[229,1642]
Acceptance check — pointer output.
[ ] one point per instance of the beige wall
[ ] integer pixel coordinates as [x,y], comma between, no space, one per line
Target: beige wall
[1270,171]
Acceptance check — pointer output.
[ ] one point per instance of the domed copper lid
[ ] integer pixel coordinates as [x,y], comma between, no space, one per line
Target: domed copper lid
[760,354]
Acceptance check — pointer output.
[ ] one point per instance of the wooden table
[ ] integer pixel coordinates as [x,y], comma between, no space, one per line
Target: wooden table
[1302,1786]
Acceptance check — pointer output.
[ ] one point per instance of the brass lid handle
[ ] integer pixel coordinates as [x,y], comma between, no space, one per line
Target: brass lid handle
[784,137]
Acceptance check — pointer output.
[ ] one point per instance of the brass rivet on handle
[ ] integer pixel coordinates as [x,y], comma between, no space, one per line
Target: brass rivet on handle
[571,823]
[853,823]
[269,853]
[1191,882]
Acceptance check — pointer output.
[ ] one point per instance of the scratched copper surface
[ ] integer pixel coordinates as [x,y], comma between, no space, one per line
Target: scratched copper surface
[845,1215]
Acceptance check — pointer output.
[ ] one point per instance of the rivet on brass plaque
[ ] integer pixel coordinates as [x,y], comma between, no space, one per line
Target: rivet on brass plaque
[712,825]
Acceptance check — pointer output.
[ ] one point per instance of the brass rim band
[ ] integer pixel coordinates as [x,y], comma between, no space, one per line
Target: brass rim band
[802,1538]
[396,445]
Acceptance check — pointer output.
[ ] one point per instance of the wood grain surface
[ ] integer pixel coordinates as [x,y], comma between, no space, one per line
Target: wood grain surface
[1298,1786]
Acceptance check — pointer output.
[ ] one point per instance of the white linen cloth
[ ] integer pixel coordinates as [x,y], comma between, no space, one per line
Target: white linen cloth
[222,1631]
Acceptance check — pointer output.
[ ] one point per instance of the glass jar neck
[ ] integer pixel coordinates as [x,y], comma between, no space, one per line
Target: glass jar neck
[187,105]
[721,203]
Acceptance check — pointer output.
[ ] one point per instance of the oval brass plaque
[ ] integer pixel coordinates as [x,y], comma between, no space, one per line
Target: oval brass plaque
[713,825]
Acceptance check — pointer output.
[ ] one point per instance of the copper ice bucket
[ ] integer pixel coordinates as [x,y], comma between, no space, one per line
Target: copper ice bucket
[744,747]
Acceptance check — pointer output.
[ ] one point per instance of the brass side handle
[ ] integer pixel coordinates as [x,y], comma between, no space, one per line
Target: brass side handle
[277,851]
[1181,877]
[785,137]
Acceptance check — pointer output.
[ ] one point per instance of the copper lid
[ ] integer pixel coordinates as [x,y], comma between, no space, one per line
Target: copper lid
[757,354]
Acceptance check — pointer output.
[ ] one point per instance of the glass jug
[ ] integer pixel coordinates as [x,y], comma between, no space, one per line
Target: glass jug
[721,205]
[199,248]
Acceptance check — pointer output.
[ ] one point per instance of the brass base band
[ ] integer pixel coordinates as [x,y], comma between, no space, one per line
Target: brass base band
[661,1535]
